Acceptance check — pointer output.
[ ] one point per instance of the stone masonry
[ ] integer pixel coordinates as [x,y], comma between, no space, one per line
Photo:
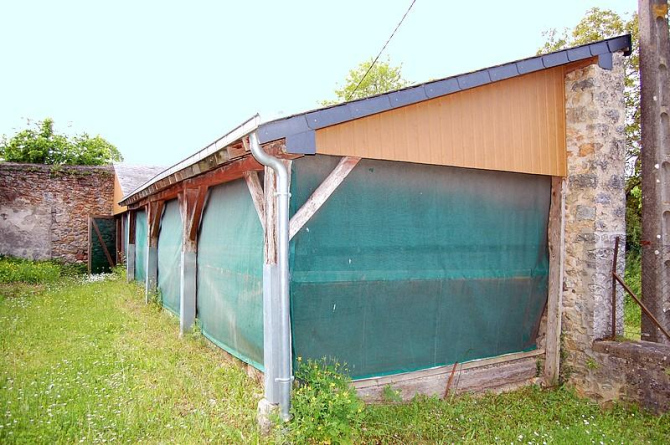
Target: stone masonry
[594,215]
[44,209]
[636,372]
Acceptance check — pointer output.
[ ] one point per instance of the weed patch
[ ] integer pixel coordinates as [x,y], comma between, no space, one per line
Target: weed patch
[325,408]
[27,271]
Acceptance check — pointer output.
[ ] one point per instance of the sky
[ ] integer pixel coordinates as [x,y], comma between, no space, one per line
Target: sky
[161,79]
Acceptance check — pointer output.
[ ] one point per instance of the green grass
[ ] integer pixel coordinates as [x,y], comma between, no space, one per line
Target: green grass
[632,313]
[89,362]
[528,416]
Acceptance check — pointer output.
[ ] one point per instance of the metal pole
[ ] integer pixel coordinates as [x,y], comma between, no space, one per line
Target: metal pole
[655,157]
[281,325]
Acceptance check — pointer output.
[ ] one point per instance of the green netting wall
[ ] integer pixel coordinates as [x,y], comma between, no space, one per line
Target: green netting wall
[230,272]
[141,246]
[126,229]
[411,266]
[169,256]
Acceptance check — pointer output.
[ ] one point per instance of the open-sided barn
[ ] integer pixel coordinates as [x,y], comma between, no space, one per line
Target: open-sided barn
[403,233]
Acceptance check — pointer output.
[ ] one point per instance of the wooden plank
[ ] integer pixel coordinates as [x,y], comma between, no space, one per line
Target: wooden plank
[501,373]
[321,194]
[446,369]
[556,244]
[236,151]
[102,243]
[256,191]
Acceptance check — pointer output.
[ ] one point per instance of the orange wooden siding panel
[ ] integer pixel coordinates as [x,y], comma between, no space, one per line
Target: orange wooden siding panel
[515,125]
[118,196]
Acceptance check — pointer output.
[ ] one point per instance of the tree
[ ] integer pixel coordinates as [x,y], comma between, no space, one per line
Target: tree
[600,24]
[382,77]
[40,144]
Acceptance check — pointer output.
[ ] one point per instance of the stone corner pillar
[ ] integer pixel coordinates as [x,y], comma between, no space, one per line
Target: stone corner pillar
[595,210]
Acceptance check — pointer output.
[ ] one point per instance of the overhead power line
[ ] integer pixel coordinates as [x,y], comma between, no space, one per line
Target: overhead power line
[381,51]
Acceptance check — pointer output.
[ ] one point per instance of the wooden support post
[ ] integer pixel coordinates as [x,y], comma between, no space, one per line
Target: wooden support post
[321,194]
[270,208]
[118,228]
[191,205]
[556,240]
[130,255]
[154,213]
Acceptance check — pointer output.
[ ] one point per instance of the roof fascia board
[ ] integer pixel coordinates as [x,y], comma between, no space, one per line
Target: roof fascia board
[234,135]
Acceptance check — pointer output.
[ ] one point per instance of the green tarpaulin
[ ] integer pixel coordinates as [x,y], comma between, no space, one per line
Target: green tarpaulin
[169,256]
[411,266]
[141,246]
[230,270]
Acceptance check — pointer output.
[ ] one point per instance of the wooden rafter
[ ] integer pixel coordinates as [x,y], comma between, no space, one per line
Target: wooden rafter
[321,194]
[192,202]
[223,174]
[254,185]
[154,212]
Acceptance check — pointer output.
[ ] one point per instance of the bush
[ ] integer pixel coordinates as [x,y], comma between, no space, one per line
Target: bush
[325,408]
[20,270]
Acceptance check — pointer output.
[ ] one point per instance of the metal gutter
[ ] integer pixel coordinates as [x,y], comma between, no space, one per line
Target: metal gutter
[276,306]
[299,130]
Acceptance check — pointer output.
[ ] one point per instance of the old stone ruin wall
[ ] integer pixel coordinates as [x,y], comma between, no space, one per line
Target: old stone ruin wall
[607,371]
[44,209]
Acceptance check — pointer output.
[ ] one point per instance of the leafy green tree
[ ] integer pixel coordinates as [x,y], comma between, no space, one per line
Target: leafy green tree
[40,144]
[600,24]
[382,77]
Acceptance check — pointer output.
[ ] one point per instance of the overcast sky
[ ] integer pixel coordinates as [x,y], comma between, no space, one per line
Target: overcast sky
[162,79]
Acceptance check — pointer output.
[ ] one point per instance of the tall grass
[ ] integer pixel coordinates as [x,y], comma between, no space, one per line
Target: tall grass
[20,270]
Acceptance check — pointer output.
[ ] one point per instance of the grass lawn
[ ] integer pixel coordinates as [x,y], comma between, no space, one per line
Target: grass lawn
[90,362]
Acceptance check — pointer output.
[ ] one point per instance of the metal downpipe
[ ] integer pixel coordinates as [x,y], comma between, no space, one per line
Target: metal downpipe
[281,329]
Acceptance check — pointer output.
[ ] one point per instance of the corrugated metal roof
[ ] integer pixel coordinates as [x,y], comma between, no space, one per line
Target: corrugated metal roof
[299,130]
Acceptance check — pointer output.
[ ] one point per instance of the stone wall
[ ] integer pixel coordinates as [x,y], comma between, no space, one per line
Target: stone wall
[594,213]
[632,372]
[44,209]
